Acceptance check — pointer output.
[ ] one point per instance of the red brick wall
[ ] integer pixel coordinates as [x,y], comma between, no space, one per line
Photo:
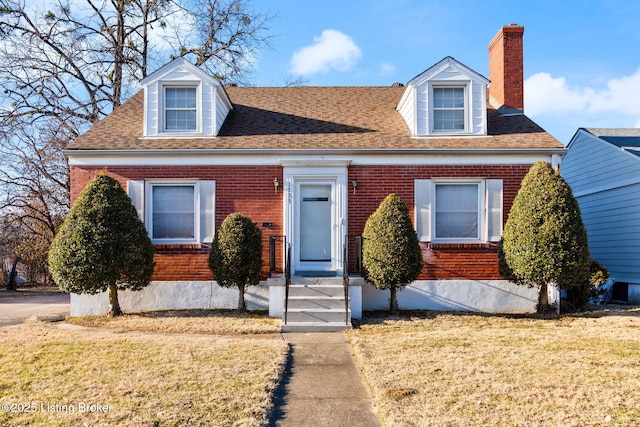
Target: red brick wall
[249,190]
[442,261]
[245,189]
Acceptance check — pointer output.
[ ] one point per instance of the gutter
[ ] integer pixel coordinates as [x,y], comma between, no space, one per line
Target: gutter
[314,152]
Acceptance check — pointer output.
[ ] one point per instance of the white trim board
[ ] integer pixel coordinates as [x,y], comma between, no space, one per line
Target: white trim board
[212,159]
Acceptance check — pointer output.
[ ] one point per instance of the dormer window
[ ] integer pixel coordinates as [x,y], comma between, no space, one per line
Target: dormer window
[448,99]
[182,101]
[180,108]
[448,109]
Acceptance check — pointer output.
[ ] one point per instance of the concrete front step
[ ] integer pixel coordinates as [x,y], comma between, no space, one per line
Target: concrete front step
[333,280]
[317,315]
[315,326]
[316,302]
[308,290]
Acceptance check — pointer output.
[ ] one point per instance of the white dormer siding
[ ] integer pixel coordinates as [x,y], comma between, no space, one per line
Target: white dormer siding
[448,99]
[172,115]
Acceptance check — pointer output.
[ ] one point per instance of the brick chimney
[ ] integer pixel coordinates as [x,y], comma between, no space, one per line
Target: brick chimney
[506,91]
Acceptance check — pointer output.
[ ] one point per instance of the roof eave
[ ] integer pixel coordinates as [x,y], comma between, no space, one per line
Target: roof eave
[316,151]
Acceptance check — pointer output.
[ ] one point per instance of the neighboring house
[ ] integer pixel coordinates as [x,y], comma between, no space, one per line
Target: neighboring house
[603,169]
[310,164]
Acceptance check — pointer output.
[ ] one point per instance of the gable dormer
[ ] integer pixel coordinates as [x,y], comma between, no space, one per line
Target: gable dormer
[448,99]
[181,100]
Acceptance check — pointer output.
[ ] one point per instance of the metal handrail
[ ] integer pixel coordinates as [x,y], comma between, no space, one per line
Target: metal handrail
[358,241]
[345,277]
[287,283]
[272,251]
[272,254]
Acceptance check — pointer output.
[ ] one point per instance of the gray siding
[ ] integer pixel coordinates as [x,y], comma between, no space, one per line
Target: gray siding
[606,182]
[592,162]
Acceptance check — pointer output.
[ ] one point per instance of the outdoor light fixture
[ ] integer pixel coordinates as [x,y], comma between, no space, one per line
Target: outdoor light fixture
[354,184]
[276,184]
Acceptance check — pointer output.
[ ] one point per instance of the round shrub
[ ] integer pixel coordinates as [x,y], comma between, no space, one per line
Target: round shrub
[236,254]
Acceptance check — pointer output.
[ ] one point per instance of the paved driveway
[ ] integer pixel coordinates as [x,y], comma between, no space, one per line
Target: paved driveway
[14,311]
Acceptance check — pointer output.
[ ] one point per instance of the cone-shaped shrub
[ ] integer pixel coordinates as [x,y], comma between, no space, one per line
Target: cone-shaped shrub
[102,244]
[236,254]
[544,240]
[391,252]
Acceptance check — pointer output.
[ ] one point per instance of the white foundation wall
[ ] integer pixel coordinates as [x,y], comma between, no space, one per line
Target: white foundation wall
[172,296]
[489,296]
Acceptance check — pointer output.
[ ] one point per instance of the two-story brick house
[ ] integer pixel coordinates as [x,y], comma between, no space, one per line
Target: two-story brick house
[310,164]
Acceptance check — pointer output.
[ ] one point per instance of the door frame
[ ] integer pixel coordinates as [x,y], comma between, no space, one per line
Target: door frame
[298,263]
[298,172]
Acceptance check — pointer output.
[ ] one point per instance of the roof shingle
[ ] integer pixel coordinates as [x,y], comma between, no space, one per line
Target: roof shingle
[311,118]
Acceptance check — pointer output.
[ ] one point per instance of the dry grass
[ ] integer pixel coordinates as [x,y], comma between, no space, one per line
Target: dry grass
[476,370]
[145,379]
[214,322]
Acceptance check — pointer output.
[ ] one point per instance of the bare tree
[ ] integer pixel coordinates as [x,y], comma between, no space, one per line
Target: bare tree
[224,37]
[65,67]
[34,177]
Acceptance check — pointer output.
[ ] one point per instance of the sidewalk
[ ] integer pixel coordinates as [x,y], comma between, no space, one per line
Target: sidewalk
[322,385]
[14,311]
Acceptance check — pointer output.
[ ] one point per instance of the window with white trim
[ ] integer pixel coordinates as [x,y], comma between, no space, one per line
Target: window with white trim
[448,108]
[458,210]
[175,210]
[180,108]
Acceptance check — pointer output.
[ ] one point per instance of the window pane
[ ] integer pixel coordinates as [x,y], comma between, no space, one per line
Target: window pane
[456,211]
[180,120]
[448,119]
[173,212]
[180,97]
[448,97]
[180,108]
[448,108]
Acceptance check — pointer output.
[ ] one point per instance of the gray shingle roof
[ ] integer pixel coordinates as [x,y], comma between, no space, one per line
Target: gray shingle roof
[626,138]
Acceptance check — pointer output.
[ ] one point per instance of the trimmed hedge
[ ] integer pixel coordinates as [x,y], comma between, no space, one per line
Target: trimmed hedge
[544,240]
[391,252]
[102,244]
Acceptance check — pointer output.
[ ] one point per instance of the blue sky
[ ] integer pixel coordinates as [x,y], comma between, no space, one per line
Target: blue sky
[582,57]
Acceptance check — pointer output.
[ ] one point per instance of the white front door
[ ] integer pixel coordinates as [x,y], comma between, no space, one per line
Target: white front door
[315,226]
[315,213]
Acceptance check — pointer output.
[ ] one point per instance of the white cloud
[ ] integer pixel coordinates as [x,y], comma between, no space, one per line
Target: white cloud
[622,94]
[546,94]
[332,50]
[561,108]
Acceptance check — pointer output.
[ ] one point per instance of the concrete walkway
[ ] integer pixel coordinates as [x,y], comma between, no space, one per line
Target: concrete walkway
[322,385]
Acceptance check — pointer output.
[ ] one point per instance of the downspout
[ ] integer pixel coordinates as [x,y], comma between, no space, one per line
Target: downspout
[555,162]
